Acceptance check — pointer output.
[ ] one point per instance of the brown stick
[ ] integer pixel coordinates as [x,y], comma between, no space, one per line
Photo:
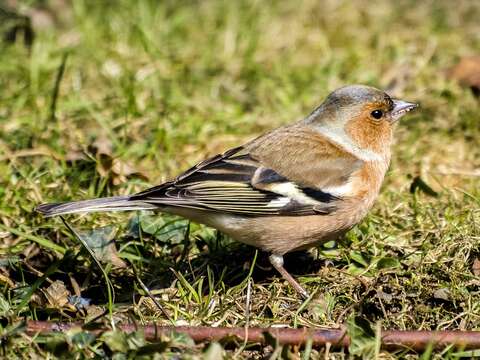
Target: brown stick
[419,340]
[391,339]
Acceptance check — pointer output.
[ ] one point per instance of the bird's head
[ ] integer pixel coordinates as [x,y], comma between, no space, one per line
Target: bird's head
[362,115]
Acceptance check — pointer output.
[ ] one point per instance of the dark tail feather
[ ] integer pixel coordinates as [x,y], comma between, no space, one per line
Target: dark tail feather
[115,203]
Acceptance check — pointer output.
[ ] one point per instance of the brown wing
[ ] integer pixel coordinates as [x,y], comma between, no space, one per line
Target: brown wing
[236,182]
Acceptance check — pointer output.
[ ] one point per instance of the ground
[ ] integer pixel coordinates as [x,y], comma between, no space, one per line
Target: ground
[108,98]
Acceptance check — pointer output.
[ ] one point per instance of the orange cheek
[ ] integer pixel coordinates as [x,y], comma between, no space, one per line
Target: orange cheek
[369,134]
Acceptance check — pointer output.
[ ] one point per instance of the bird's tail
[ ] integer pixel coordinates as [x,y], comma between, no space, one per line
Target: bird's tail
[115,203]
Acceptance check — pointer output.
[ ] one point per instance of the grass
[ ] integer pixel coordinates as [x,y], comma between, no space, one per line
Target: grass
[161,86]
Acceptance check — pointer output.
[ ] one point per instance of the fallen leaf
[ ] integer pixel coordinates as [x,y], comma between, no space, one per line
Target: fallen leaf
[467,73]
[102,149]
[102,243]
[109,166]
[74,155]
[102,146]
[121,171]
[442,294]
[57,295]
[94,311]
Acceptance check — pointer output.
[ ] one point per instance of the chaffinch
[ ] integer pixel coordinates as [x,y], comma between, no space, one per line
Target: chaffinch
[289,189]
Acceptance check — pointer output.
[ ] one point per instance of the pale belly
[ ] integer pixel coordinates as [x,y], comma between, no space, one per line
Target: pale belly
[280,234]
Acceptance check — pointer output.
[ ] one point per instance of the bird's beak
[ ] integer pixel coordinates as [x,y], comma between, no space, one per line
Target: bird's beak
[400,108]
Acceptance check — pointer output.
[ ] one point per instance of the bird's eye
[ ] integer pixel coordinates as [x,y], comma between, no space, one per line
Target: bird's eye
[377,114]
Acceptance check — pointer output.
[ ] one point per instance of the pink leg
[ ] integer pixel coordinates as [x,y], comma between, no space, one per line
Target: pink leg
[277,262]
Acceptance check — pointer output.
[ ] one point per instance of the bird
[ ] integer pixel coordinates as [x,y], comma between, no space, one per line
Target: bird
[290,189]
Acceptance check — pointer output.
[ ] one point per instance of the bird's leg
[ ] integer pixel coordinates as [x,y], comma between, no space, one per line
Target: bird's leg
[277,262]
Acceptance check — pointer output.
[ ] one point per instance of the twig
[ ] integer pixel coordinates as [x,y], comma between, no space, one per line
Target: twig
[390,339]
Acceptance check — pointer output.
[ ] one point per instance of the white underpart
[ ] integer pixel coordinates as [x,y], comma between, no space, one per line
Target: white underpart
[291,192]
[340,137]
